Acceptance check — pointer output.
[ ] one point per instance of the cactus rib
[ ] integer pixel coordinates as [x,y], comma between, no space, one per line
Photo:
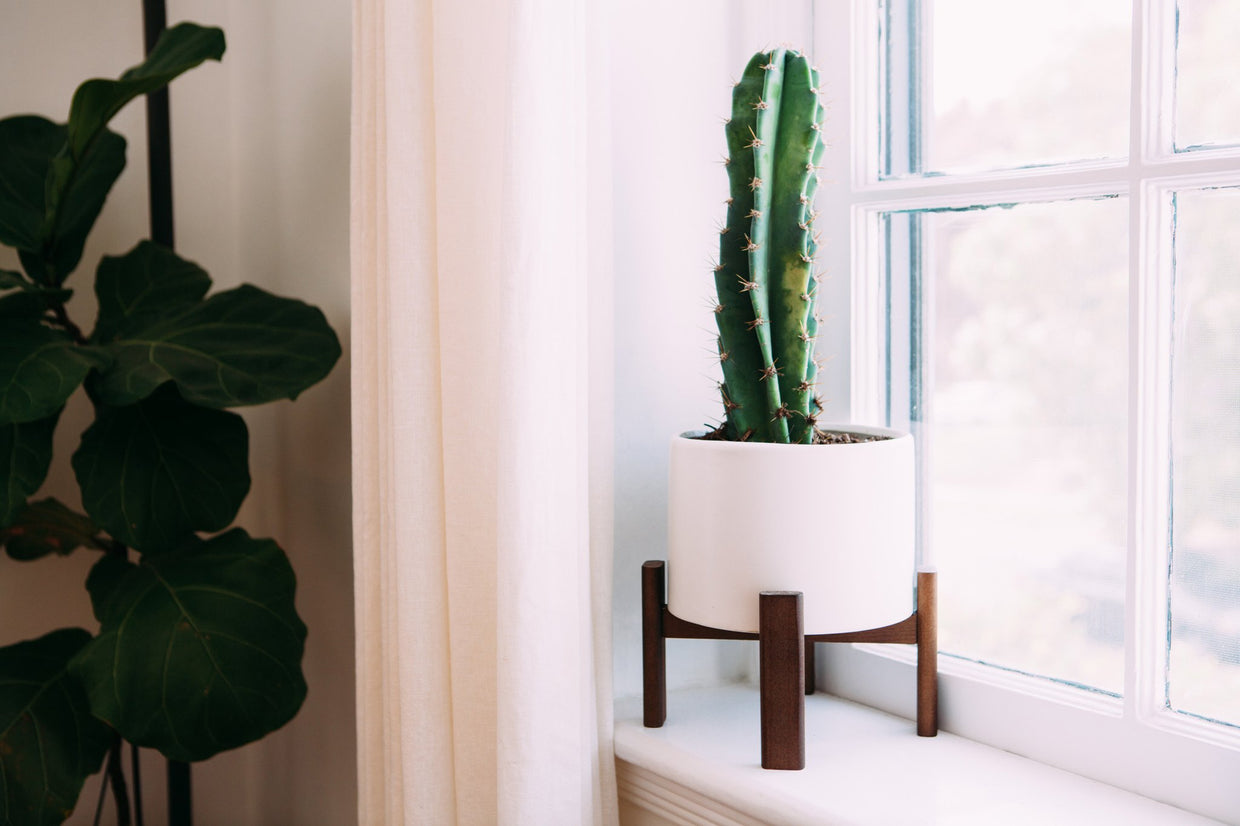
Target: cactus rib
[766,304]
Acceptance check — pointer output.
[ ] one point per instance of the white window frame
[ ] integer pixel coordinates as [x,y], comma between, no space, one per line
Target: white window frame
[1132,742]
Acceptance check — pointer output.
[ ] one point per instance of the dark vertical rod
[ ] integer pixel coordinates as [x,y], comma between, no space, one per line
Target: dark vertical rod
[180,794]
[781,657]
[654,645]
[927,654]
[159,166]
[158,133]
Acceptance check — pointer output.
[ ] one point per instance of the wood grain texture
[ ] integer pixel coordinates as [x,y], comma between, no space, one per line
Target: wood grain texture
[781,654]
[811,670]
[654,646]
[786,659]
[904,631]
[927,654]
[676,628]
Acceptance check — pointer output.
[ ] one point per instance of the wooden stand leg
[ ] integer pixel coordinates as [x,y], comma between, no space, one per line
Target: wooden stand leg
[654,647]
[927,654]
[811,670]
[781,653]
[786,658]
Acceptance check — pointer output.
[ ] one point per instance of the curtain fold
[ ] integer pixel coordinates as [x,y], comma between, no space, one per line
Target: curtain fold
[482,412]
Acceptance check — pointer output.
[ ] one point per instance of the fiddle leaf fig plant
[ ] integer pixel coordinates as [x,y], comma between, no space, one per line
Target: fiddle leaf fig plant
[199,644]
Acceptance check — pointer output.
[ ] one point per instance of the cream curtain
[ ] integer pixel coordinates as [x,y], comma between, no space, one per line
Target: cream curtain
[480,412]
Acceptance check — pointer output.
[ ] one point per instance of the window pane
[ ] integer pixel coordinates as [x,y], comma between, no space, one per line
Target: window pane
[1207,98]
[1204,678]
[1020,405]
[1021,84]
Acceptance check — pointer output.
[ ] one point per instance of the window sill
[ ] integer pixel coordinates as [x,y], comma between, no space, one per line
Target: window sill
[862,767]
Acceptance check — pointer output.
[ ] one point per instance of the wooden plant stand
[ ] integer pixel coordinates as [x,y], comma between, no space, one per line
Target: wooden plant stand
[786,660]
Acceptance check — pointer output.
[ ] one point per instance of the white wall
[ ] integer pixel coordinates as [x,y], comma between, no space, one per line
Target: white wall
[260,150]
[671,92]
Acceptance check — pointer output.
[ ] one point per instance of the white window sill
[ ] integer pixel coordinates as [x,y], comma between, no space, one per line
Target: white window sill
[862,767]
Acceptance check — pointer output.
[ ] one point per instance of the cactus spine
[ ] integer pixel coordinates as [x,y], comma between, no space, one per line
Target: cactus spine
[765,280]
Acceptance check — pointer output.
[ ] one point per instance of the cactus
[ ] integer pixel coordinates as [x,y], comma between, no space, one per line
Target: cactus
[764,279]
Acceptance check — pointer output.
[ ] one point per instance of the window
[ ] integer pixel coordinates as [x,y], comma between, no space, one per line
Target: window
[1045,212]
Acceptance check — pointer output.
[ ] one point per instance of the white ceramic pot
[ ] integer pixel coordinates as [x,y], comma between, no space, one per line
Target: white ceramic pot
[835,522]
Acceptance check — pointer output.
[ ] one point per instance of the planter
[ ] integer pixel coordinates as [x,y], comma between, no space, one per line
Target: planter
[835,522]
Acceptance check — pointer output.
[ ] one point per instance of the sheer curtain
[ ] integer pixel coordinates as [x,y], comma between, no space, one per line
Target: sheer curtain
[481,432]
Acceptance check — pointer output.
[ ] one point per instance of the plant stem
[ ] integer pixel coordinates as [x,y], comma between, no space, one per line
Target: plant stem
[136,771]
[116,775]
[62,318]
[103,795]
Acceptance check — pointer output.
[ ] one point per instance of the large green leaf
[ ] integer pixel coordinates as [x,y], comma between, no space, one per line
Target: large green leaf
[39,369]
[22,305]
[54,179]
[47,527]
[31,304]
[27,144]
[239,347]
[200,648]
[25,455]
[153,472]
[95,102]
[49,741]
[49,202]
[29,301]
[72,210]
[145,283]
[10,279]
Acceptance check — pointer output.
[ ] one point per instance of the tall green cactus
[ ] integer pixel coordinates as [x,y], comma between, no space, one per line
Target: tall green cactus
[765,279]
